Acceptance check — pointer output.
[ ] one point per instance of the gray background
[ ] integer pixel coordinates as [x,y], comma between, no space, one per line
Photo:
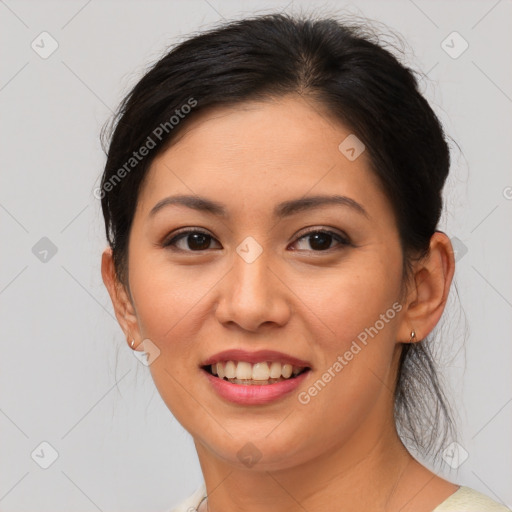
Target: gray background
[67,376]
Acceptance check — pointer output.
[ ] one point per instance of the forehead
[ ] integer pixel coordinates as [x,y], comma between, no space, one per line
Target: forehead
[283,129]
[259,152]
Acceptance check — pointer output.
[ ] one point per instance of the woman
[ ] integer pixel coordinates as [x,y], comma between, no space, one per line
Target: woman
[271,197]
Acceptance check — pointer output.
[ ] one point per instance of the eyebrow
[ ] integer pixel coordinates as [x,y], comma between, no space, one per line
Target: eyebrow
[281,210]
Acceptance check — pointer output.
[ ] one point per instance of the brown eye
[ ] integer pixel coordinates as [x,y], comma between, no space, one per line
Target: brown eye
[321,240]
[190,241]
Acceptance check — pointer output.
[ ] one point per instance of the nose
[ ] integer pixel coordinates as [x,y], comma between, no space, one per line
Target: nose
[252,296]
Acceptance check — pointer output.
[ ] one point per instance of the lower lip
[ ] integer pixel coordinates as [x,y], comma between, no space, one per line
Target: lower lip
[256,394]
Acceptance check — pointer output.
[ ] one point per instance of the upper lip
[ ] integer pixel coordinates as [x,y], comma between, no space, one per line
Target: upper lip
[255,357]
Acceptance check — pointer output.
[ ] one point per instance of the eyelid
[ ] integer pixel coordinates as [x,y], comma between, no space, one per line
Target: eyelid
[182,233]
[320,229]
[342,238]
[190,229]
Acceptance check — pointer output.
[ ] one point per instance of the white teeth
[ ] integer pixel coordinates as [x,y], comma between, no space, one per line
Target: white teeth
[244,370]
[287,370]
[230,370]
[262,372]
[275,370]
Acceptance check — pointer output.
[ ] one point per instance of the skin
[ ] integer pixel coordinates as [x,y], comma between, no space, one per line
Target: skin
[341,447]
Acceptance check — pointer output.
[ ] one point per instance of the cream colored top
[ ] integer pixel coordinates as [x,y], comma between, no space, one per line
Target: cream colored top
[464,499]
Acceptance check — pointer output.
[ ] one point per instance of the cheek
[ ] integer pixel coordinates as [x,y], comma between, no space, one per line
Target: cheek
[169,301]
[352,299]
[356,351]
[166,296]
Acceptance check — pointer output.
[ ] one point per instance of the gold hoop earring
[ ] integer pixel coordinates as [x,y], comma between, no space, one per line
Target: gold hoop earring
[413,336]
[132,343]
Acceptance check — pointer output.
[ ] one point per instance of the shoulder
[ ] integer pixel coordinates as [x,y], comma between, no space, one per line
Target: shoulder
[466,499]
[192,502]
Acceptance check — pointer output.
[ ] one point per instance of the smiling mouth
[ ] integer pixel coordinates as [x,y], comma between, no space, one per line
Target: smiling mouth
[254,374]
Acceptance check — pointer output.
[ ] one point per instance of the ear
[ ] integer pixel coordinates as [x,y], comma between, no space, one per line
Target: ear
[428,290]
[123,307]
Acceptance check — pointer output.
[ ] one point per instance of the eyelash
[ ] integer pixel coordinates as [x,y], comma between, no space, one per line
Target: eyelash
[342,240]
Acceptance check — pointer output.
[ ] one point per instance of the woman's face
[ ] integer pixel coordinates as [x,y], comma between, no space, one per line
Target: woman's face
[256,281]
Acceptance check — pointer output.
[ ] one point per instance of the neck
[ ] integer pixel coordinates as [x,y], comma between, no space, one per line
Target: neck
[364,473]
